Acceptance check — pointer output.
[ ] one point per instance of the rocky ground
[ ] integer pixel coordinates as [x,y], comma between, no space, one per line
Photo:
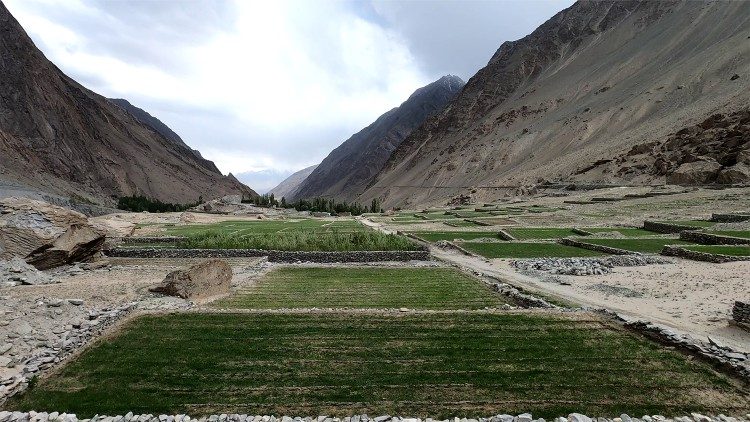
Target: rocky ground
[42,324]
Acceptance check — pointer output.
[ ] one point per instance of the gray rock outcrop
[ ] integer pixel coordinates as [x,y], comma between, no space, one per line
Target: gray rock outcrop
[45,235]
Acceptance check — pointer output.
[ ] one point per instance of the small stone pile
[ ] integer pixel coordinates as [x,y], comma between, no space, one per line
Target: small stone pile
[6,416]
[16,272]
[585,266]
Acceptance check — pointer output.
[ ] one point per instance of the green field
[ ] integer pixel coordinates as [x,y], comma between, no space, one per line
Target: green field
[734,250]
[526,250]
[651,245]
[460,223]
[264,227]
[413,288]
[528,233]
[289,235]
[625,231]
[438,365]
[434,236]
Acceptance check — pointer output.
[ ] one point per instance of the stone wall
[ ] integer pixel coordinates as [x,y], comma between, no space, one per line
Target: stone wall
[581,232]
[657,227]
[672,250]
[6,416]
[505,235]
[741,314]
[712,239]
[273,256]
[730,218]
[593,247]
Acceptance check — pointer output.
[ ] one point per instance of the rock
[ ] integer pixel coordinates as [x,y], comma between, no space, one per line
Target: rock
[209,278]
[577,417]
[76,302]
[734,77]
[79,243]
[737,174]
[695,173]
[18,270]
[45,235]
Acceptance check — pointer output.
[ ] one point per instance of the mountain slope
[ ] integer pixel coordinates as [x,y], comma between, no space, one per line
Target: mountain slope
[349,168]
[571,100]
[61,138]
[158,126]
[289,185]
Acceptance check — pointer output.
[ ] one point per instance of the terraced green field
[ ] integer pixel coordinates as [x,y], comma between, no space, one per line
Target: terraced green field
[649,245]
[434,236]
[289,235]
[413,288]
[261,227]
[528,233]
[437,365]
[734,250]
[526,250]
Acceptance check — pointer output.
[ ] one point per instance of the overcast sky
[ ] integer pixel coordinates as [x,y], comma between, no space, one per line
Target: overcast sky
[265,88]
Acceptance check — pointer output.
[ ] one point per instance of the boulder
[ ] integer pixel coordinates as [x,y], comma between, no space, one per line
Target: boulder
[200,281]
[45,235]
[737,174]
[695,173]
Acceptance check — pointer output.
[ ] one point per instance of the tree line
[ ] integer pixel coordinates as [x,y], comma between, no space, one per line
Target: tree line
[139,203]
[329,205]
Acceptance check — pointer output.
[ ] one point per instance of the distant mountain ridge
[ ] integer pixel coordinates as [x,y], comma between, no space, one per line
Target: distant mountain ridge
[603,92]
[347,171]
[288,186]
[59,137]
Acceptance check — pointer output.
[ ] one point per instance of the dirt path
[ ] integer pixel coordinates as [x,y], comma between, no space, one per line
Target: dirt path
[687,296]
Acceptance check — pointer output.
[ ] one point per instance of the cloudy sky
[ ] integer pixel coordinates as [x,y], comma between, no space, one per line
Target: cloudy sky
[265,88]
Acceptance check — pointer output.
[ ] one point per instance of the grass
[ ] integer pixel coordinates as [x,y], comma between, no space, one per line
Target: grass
[241,228]
[625,231]
[434,236]
[733,250]
[289,235]
[527,233]
[413,288]
[437,365]
[369,240]
[652,245]
[733,233]
[526,250]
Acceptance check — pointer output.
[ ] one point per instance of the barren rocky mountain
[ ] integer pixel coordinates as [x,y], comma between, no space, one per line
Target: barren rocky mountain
[623,92]
[59,137]
[348,169]
[289,185]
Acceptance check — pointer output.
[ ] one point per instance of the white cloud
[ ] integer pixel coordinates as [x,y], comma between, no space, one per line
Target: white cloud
[257,86]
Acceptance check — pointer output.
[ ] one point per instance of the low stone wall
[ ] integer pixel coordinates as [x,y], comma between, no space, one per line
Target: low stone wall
[673,250]
[6,416]
[741,314]
[705,238]
[730,218]
[274,256]
[593,247]
[581,232]
[502,234]
[666,228]
[731,360]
